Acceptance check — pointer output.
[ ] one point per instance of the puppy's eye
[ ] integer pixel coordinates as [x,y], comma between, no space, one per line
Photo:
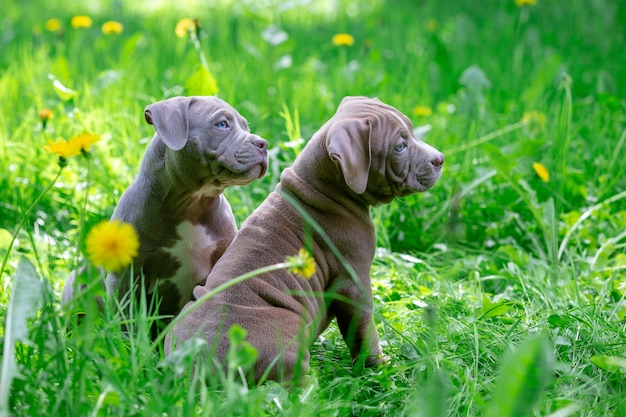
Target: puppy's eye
[401,146]
[222,124]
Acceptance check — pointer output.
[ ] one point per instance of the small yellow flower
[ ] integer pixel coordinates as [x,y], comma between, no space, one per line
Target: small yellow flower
[84,141]
[343,39]
[522,3]
[81,22]
[184,26]
[302,264]
[112,245]
[535,121]
[112,28]
[534,116]
[53,25]
[422,111]
[541,171]
[63,148]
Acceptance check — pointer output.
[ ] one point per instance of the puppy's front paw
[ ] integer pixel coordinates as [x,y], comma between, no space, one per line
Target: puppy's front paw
[377,360]
[370,361]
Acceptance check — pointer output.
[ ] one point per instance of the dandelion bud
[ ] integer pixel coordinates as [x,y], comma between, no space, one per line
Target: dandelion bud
[44,116]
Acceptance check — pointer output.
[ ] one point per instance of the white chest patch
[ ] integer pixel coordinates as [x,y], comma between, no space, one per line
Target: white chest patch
[193,241]
[209,190]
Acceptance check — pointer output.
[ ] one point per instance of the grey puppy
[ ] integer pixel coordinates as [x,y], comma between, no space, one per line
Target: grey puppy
[365,155]
[175,204]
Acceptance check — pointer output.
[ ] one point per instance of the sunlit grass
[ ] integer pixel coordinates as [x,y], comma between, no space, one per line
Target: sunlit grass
[521,242]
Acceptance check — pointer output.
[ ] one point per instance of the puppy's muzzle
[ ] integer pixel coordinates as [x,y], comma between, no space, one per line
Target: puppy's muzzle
[259,142]
[437,160]
[428,172]
[253,154]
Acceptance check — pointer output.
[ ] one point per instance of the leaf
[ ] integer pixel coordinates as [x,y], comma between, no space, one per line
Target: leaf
[493,309]
[201,83]
[25,300]
[524,374]
[474,78]
[496,310]
[409,352]
[609,363]
[562,341]
[471,98]
[62,91]
[110,397]
[241,353]
[5,238]
[566,411]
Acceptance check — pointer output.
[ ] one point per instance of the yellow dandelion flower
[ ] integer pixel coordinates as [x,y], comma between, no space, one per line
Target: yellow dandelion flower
[541,171]
[343,39]
[112,245]
[302,264]
[63,148]
[522,3]
[84,141]
[422,111]
[112,28]
[534,117]
[535,121]
[184,26]
[81,22]
[53,25]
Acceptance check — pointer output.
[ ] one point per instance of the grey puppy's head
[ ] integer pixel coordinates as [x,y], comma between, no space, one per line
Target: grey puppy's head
[211,141]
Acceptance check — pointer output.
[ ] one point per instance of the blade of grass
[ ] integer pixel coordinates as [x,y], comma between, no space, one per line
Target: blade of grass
[24,303]
[486,138]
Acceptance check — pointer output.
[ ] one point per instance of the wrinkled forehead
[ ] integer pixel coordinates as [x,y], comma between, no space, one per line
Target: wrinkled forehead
[401,119]
[212,106]
[383,115]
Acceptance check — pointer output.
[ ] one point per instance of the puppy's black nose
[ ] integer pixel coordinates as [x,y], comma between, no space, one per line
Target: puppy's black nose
[259,143]
[437,160]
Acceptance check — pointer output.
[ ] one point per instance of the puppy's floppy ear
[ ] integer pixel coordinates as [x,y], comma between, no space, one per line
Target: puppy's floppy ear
[348,144]
[169,118]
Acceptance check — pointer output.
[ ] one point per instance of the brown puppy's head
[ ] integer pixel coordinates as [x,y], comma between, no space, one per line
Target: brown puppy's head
[374,146]
[210,139]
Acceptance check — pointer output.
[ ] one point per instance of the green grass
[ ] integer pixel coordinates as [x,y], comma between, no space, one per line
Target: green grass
[494,290]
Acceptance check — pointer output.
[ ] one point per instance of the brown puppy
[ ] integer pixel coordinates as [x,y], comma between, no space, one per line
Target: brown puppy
[365,155]
[201,146]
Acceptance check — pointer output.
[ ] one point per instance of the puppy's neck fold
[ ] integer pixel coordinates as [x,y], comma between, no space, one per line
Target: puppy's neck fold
[322,196]
[177,190]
